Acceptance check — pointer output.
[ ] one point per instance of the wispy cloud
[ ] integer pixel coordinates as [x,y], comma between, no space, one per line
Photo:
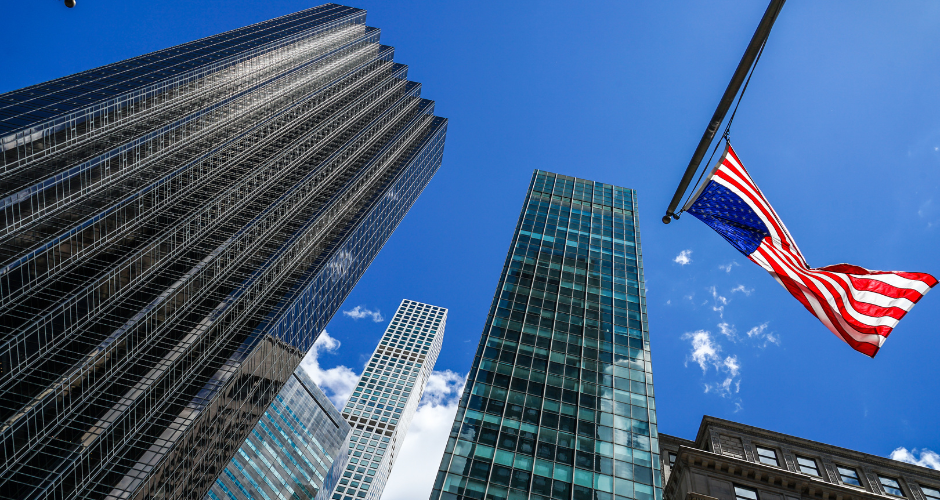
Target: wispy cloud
[728,331]
[424,443]
[360,312]
[729,385]
[760,332]
[706,352]
[727,267]
[704,349]
[684,258]
[927,210]
[337,382]
[719,302]
[928,458]
[742,289]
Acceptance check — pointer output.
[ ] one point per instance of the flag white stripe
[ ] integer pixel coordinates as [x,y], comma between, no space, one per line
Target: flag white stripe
[818,278]
[829,304]
[874,298]
[898,282]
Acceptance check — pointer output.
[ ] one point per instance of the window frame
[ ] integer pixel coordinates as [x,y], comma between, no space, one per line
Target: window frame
[923,489]
[881,481]
[800,466]
[858,479]
[736,487]
[760,457]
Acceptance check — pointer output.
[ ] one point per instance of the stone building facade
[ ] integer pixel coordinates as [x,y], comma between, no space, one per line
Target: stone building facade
[732,461]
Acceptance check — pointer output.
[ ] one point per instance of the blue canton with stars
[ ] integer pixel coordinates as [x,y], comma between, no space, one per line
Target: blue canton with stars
[729,215]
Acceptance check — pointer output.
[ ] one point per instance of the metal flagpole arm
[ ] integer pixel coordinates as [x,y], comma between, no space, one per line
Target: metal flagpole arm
[760,36]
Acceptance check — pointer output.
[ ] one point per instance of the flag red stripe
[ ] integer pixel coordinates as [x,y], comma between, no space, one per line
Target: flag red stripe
[830,292]
[790,284]
[836,293]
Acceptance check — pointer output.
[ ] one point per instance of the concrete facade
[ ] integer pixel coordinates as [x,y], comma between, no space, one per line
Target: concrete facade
[732,461]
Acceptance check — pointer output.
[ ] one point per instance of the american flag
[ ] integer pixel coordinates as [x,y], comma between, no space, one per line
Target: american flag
[861,307]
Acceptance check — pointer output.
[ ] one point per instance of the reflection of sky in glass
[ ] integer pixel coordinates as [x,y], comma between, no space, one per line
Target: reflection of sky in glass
[292,451]
[561,403]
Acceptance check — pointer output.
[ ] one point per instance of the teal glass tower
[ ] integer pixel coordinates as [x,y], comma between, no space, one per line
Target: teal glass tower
[559,401]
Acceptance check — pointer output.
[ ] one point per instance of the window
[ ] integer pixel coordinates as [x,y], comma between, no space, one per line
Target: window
[807,466]
[672,460]
[849,476]
[891,486]
[742,493]
[930,493]
[767,456]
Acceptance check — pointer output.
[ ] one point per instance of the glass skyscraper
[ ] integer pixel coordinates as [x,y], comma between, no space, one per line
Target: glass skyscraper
[559,401]
[387,396]
[299,447]
[176,229]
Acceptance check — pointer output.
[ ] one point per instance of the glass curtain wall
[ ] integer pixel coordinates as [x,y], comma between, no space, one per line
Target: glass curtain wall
[299,447]
[559,402]
[175,230]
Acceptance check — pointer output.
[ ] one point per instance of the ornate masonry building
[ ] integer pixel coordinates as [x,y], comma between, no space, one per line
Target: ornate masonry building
[175,231]
[732,461]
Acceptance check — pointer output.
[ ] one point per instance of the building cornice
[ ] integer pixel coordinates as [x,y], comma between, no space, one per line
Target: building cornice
[826,450]
[739,470]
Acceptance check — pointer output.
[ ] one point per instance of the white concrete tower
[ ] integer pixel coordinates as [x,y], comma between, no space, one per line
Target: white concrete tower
[381,407]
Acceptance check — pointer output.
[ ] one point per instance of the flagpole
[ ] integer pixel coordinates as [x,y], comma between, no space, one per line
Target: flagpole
[760,36]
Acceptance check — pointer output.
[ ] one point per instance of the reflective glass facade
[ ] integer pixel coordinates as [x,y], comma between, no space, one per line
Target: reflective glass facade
[299,447]
[559,401]
[387,396]
[175,231]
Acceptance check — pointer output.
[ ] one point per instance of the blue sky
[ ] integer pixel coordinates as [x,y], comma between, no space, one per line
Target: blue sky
[840,128]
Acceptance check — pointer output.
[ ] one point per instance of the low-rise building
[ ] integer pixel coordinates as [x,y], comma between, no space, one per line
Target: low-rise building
[732,461]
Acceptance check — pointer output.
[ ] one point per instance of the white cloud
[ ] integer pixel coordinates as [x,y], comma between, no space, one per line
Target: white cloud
[731,366]
[742,289]
[760,332]
[669,302]
[704,349]
[360,312]
[442,387]
[928,458]
[727,267]
[706,352]
[720,302]
[683,258]
[728,331]
[337,382]
[417,463]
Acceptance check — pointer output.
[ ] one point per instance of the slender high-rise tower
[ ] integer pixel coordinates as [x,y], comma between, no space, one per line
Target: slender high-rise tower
[559,401]
[387,396]
[176,229]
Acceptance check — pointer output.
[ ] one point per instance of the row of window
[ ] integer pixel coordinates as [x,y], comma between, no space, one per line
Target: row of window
[847,475]
[891,486]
